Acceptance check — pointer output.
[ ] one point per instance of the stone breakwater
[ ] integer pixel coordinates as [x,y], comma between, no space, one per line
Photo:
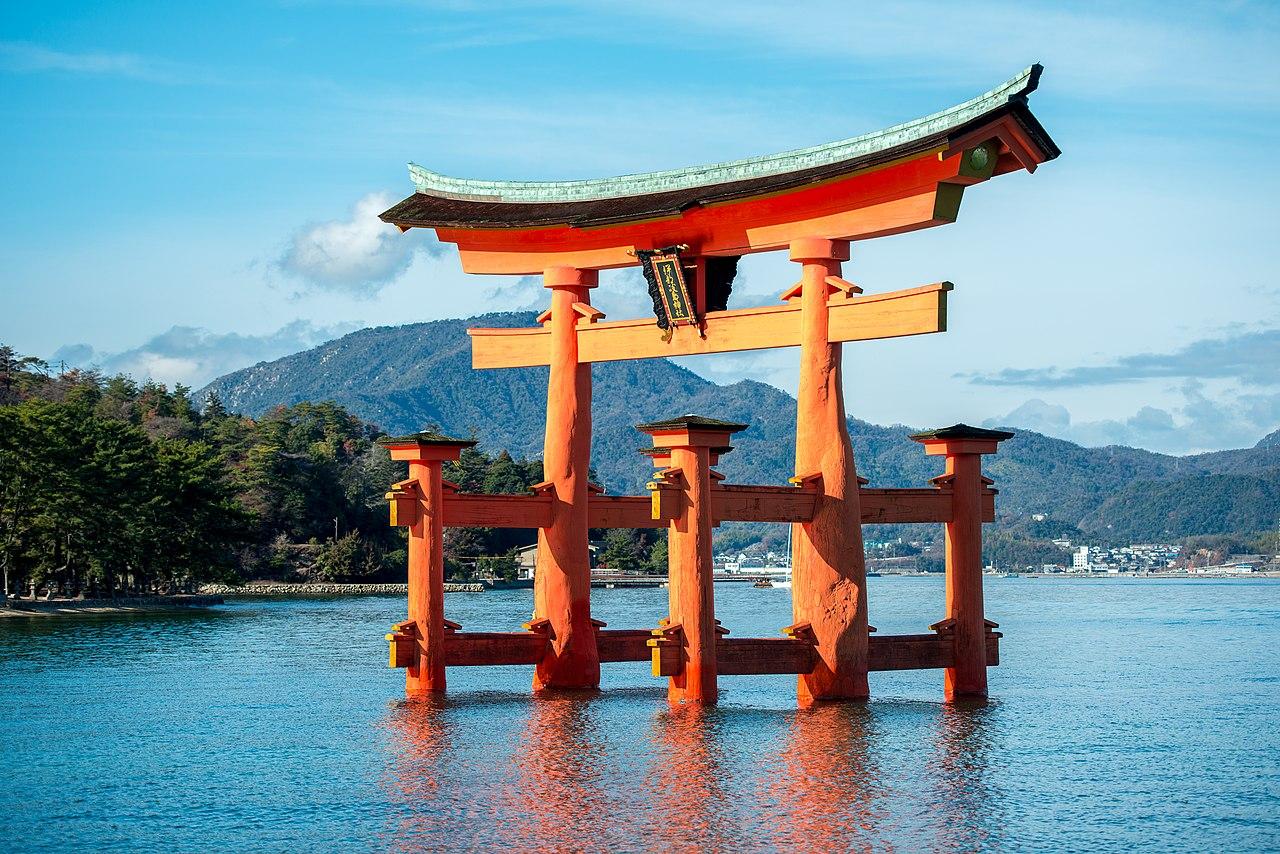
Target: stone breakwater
[118,605]
[326,589]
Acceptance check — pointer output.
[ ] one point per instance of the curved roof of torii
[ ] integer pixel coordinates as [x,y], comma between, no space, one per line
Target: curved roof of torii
[442,201]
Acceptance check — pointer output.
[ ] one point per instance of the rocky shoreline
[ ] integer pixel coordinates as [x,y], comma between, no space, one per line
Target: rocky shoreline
[118,605]
[260,589]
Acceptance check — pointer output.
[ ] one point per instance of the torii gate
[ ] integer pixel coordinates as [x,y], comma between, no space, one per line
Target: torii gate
[812,202]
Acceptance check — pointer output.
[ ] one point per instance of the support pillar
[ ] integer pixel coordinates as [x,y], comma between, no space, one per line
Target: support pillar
[692,441]
[828,573]
[418,503]
[963,447]
[562,576]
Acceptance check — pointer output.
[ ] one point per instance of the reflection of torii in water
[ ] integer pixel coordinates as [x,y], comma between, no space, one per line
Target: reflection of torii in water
[811,202]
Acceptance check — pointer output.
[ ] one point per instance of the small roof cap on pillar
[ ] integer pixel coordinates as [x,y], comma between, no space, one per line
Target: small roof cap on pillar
[693,422]
[427,437]
[962,432]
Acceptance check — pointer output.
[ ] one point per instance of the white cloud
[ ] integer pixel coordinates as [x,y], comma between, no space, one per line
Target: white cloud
[194,356]
[524,294]
[357,256]
[1200,423]
[1251,356]
[33,58]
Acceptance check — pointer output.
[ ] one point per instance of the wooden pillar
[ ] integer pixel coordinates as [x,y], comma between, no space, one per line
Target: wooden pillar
[418,503]
[963,447]
[562,576]
[829,584]
[692,441]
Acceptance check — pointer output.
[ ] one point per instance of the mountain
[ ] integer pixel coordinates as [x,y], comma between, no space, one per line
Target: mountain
[404,377]
[1204,504]
[1271,440]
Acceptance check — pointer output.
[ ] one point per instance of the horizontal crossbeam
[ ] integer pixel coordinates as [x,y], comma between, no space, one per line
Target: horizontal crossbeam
[730,503]
[916,311]
[734,656]
[757,656]
[921,652]
[491,648]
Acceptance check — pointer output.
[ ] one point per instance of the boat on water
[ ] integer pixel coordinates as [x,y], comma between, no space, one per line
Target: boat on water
[873,575]
[763,582]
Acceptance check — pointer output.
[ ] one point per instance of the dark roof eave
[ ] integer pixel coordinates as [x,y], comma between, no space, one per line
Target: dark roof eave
[962,432]
[693,422]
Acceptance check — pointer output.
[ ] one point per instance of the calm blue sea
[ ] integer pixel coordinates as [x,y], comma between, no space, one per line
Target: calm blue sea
[1126,715]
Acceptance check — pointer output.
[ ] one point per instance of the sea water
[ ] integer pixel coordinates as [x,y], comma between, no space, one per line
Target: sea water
[1125,714]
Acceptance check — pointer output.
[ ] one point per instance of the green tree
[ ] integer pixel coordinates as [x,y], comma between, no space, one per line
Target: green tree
[501,567]
[658,562]
[346,558]
[624,550]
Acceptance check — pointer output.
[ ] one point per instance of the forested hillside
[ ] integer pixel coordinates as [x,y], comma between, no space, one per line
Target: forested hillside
[403,377]
[108,485]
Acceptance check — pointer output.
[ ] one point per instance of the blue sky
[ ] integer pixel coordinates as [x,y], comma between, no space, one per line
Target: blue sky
[190,189]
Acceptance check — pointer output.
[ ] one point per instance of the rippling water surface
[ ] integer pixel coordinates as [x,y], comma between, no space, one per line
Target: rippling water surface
[1125,714]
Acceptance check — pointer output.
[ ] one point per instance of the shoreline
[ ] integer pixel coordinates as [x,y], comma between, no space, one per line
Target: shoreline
[118,605]
[256,590]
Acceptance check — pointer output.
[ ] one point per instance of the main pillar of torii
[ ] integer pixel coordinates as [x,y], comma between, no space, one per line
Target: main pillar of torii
[562,577]
[829,575]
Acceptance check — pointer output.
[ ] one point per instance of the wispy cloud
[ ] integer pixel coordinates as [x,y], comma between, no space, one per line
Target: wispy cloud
[1201,422]
[524,294]
[358,255]
[1252,358]
[29,58]
[194,356]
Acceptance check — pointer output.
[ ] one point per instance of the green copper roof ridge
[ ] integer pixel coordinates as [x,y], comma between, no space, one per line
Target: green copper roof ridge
[590,189]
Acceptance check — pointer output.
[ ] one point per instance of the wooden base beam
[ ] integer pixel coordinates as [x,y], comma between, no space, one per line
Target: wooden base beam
[735,656]
[758,656]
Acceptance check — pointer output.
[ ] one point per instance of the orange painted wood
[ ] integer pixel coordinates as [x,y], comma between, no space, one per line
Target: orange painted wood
[887,199]
[623,511]
[403,649]
[886,506]
[624,644]
[730,503]
[403,505]
[756,656]
[923,651]
[690,575]
[426,673]
[828,588]
[734,656]
[463,510]
[968,676]
[667,659]
[913,311]
[562,574]
[762,504]
[470,649]
[889,506]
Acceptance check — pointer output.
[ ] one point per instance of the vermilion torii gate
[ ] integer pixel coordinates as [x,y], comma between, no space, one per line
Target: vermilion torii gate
[813,202]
